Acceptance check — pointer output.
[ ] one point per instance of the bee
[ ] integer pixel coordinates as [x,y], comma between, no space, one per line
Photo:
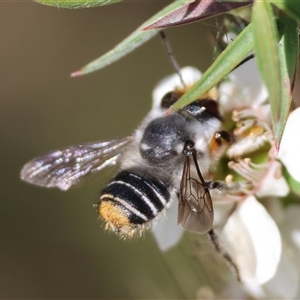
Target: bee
[168,158]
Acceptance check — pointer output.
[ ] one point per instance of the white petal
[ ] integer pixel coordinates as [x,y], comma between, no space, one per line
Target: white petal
[290,228]
[283,285]
[255,241]
[290,145]
[254,288]
[289,269]
[222,209]
[229,37]
[286,280]
[274,184]
[245,88]
[189,75]
[166,232]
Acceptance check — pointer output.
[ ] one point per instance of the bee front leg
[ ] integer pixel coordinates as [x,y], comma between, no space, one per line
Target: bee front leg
[231,192]
[234,188]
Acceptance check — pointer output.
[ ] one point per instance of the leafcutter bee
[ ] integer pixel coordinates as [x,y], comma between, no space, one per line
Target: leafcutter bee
[166,159]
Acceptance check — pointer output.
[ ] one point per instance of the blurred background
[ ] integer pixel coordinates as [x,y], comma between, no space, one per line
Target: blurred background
[52,243]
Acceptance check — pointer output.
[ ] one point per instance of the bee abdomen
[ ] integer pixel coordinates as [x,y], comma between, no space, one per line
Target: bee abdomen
[130,202]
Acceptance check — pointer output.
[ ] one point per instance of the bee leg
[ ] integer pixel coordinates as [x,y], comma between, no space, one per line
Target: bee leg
[215,240]
[230,187]
[233,188]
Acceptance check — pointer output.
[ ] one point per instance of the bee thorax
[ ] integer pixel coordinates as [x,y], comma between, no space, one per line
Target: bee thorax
[164,139]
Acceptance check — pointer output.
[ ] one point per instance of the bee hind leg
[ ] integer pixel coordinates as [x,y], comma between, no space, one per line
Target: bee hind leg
[215,240]
[233,188]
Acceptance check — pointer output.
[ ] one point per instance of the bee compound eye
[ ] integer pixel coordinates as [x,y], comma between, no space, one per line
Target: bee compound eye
[221,138]
[169,99]
[211,107]
[204,109]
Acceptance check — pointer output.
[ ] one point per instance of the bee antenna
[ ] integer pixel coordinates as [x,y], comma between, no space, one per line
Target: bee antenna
[170,54]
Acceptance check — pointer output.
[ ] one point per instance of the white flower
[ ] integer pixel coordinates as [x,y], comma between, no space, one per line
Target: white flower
[166,232]
[267,254]
[290,145]
[261,252]
[255,240]
[244,89]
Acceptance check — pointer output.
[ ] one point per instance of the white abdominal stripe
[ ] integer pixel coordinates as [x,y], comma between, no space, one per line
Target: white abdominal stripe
[140,198]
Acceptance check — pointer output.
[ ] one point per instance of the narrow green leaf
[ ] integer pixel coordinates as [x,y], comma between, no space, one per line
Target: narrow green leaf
[266,51]
[225,62]
[76,3]
[288,54]
[134,40]
[293,184]
[290,7]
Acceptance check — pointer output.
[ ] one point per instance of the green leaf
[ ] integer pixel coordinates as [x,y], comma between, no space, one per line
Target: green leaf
[76,3]
[266,51]
[134,40]
[288,54]
[225,62]
[290,7]
[293,184]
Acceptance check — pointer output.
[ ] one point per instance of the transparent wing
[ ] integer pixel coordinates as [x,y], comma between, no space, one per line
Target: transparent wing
[72,166]
[195,211]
